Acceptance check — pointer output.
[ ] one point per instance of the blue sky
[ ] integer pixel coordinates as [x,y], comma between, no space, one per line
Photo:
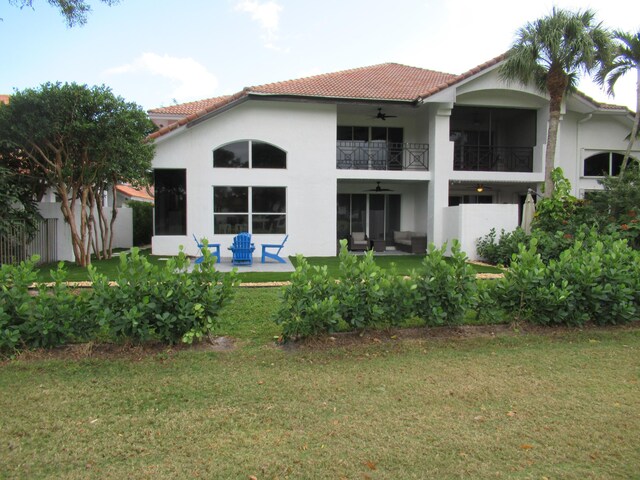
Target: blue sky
[155,52]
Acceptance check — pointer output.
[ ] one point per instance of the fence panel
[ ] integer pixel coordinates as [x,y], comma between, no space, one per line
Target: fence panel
[15,247]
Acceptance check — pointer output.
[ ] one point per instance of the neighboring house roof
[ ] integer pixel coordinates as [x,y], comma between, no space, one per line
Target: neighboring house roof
[4,99]
[388,82]
[142,193]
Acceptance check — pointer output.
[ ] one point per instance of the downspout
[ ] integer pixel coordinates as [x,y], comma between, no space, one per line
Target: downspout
[580,163]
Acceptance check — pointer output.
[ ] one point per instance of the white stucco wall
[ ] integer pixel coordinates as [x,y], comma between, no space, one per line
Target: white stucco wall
[467,223]
[584,135]
[307,132]
[123,229]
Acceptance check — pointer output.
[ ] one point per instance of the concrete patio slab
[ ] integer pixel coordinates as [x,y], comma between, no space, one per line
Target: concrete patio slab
[225,265]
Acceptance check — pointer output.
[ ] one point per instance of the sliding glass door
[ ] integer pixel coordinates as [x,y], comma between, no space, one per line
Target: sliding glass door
[378,215]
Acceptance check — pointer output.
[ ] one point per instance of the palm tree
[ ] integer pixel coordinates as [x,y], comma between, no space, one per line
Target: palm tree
[551,53]
[627,58]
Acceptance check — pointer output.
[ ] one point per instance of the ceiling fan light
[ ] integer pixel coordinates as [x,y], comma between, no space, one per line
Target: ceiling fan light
[480,188]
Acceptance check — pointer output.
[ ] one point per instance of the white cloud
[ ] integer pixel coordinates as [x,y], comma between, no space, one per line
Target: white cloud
[267,15]
[191,79]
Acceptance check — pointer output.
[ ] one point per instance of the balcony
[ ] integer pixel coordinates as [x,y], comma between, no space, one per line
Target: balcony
[489,158]
[381,155]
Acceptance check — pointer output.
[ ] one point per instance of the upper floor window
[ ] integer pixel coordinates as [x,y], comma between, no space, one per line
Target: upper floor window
[249,154]
[370,134]
[601,164]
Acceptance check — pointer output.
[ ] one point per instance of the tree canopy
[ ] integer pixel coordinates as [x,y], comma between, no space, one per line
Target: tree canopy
[551,53]
[17,202]
[81,142]
[74,11]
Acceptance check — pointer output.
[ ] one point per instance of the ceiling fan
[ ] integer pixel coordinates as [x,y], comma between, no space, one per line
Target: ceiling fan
[379,189]
[383,116]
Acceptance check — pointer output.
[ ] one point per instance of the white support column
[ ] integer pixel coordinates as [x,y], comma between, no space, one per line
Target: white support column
[441,168]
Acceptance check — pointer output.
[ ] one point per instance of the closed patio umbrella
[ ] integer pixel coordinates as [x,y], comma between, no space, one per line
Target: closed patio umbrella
[528,211]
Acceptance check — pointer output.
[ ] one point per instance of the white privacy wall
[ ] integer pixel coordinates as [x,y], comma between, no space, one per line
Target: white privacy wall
[123,229]
[469,222]
[307,132]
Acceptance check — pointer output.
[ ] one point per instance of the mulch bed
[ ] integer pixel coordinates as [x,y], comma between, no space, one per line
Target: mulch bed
[163,352]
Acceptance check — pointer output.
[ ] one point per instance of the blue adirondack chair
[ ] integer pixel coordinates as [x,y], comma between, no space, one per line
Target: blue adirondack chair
[242,249]
[274,255]
[212,246]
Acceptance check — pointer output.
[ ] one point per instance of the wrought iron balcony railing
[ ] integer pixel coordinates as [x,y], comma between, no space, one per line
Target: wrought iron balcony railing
[493,158]
[381,155]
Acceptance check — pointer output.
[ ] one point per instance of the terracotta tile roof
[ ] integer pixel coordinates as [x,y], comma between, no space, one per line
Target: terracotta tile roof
[211,106]
[387,81]
[4,99]
[142,193]
[459,78]
[603,106]
[190,107]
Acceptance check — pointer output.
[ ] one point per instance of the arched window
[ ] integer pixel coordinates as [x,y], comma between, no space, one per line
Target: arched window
[249,154]
[601,164]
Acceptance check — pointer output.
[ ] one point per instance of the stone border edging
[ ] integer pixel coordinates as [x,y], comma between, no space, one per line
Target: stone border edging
[87,284]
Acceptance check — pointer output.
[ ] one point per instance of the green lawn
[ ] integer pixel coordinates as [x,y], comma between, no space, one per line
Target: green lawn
[561,405]
[404,264]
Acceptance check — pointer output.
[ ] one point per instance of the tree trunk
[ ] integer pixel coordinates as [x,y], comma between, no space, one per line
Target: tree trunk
[69,216]
[556,86]
[114,214]
[634,129]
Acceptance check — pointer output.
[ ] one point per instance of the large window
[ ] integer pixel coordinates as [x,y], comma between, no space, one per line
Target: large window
[373,134]
[249,154]
[170,201]
[607,163]
[237,208]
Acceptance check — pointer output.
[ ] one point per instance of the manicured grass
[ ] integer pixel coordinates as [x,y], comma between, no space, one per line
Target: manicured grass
[80,274]
[555,406]
[404,265]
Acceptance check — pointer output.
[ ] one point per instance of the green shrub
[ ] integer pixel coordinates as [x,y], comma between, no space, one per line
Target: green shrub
[597,279]
[445,288]
[161,302]
[500,252]
[366,296]
[361,296]
[46,317]
[309,306]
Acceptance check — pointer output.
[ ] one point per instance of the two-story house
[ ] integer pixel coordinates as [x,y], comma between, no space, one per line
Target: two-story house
[377,149]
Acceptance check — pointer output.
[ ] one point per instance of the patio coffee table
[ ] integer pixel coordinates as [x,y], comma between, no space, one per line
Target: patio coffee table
[378,245]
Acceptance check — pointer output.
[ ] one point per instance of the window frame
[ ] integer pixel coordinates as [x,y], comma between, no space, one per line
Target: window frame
[250,151]
[251,211]
[610,154]
[160,203]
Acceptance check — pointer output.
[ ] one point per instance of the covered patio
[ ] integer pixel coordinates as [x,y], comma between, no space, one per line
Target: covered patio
[378,208]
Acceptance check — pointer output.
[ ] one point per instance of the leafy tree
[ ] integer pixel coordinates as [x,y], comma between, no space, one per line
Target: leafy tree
[74,11]
[17,201]
[626,59]
[551,53]
[80,142]
[618,204]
